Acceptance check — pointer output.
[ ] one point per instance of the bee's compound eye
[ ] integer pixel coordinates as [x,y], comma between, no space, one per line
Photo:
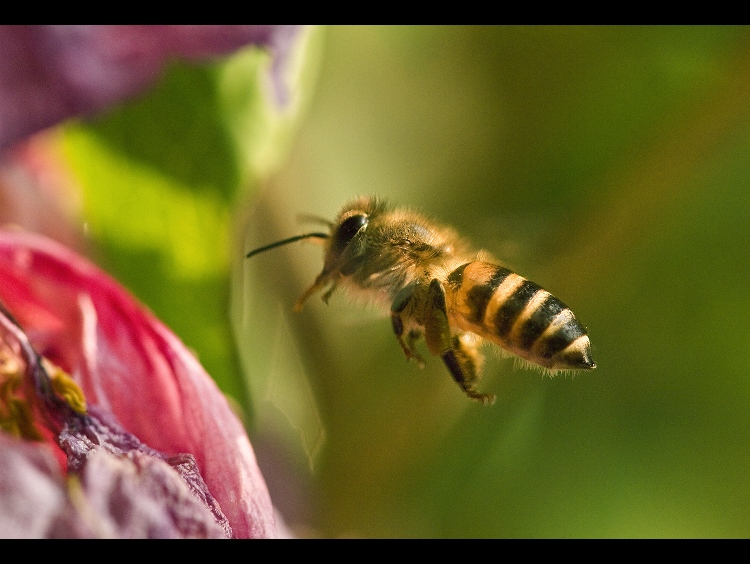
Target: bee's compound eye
[348,229]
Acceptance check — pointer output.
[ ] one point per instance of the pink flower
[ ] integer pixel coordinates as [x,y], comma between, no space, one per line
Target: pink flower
[158,452]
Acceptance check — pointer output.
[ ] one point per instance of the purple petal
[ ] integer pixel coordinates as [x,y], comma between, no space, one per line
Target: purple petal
[50,73]
[141,496]
[130,495]
[157,496]
[32,496]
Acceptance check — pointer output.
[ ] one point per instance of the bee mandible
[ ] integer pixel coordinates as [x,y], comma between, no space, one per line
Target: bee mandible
[436,288]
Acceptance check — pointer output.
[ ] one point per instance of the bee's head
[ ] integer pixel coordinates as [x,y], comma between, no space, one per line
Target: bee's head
[347,245]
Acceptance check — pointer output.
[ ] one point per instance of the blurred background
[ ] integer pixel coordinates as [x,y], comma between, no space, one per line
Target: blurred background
[608,164]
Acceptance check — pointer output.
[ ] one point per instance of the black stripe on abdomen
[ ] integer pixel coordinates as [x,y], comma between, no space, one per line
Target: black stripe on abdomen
[560,339]
[538,321]
[479,296]
[513,306]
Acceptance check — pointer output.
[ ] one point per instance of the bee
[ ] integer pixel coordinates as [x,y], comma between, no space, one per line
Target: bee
[436,288]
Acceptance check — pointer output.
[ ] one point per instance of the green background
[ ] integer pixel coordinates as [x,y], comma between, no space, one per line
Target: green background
[608,164]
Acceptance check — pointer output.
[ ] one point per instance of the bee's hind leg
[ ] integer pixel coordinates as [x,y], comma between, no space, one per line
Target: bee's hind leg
[463,362]
[409,345]
[459,352]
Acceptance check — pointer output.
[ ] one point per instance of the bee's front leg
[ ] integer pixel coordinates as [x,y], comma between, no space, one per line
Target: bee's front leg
[459,353]
[397,308]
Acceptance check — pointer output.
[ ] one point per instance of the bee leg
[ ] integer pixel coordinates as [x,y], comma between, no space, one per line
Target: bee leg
[399,304]
[320,281]
[411,343]
[327,296]
[463,362]
[461,359]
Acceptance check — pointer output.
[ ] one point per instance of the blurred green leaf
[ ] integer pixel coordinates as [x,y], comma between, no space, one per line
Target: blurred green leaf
[162,177]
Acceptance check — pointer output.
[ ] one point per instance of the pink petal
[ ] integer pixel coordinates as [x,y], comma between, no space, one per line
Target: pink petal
[130,365]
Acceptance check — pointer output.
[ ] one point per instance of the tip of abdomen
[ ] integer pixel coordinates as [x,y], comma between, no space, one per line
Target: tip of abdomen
[576,356]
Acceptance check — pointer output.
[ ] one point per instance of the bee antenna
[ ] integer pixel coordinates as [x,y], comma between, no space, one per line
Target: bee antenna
[307,218]
[318,235]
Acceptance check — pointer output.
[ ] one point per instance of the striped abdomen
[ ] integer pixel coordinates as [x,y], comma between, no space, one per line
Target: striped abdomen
[518,315]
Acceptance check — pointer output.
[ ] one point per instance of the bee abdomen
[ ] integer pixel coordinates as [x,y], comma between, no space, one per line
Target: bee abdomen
[519,315]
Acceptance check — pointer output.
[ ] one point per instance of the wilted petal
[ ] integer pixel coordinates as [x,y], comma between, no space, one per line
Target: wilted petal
[49,73]
[135,490]
[133,367]
[134,495]
[139,496]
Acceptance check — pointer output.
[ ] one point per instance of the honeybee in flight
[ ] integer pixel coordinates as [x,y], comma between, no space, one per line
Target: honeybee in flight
[436,288]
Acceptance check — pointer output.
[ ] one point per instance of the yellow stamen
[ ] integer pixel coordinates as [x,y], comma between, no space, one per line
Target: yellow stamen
[65,388]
